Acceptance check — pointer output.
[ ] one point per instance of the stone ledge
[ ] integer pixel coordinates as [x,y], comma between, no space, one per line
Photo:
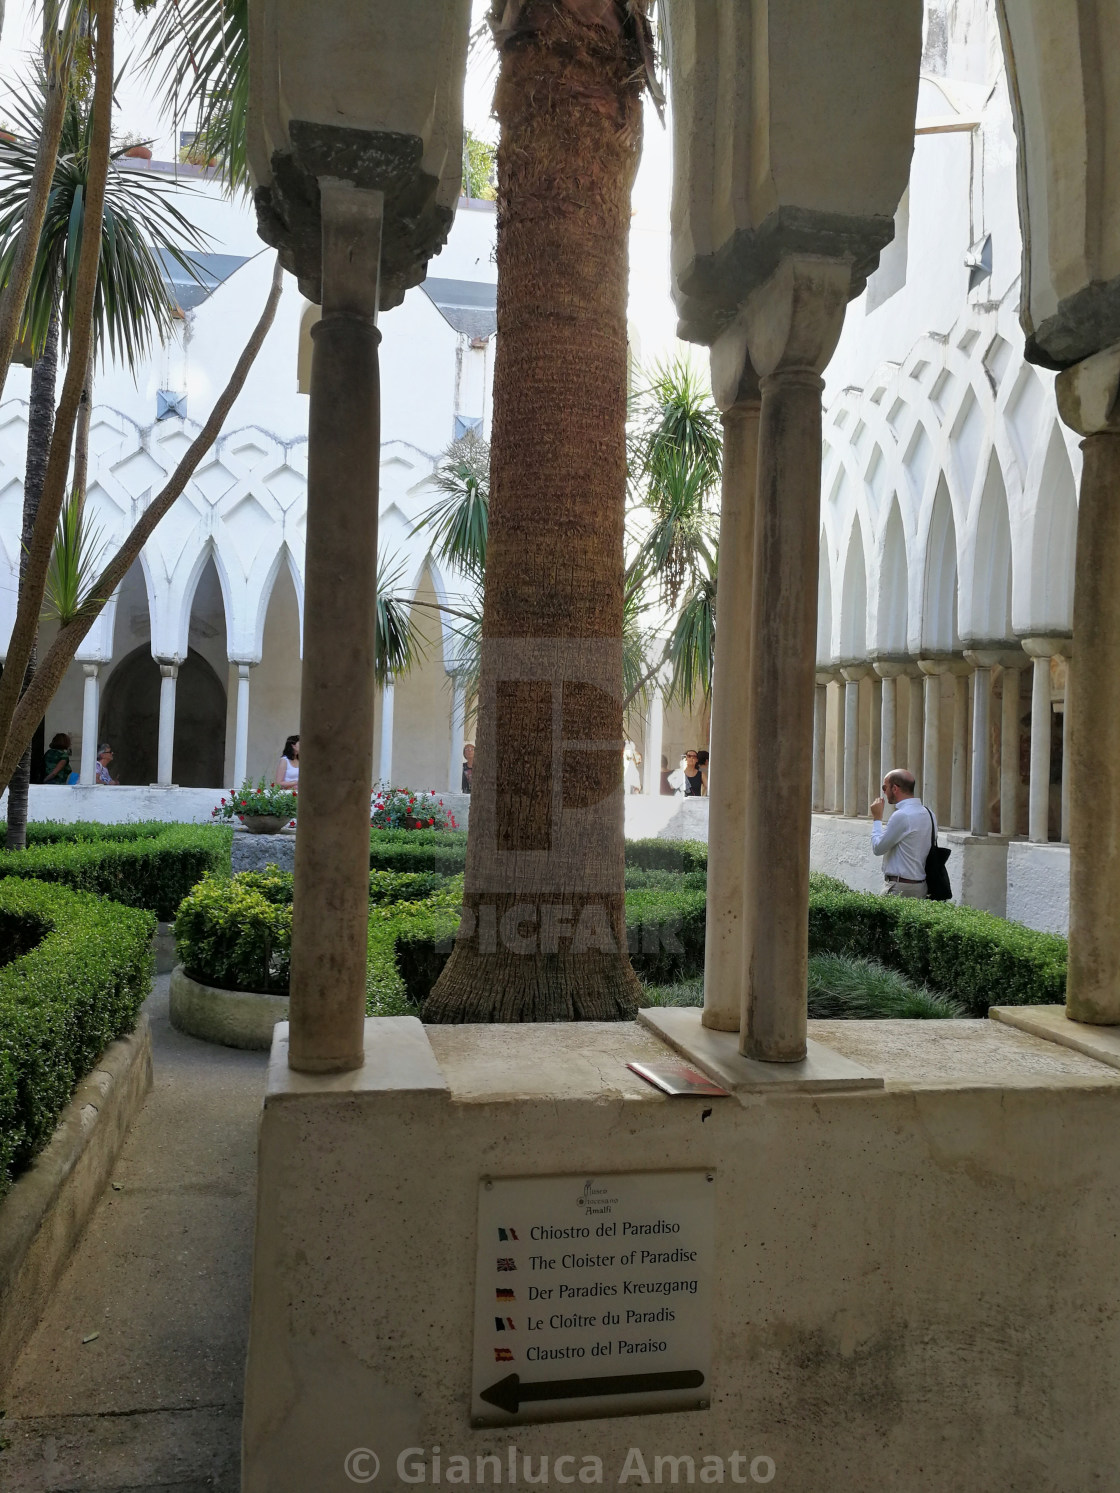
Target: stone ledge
[46,1212]
[1053,1025]
[231,1018]
[718,1055]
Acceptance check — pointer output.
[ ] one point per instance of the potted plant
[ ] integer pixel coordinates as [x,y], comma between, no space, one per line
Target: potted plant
[263,809]
[401,808]
[134,146]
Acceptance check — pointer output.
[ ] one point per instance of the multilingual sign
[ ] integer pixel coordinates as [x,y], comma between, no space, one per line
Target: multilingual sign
[592,1296]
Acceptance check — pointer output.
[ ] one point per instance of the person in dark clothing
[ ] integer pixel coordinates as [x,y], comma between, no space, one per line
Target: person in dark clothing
[693,779]
[468,766]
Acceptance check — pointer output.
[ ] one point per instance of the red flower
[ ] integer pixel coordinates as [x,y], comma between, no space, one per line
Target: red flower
[431,821]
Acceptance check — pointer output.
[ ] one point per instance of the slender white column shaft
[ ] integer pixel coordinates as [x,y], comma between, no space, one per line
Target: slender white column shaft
[169,673]
[981,726]
[724,965]
[90,707]
[385,758]
[655,735]
[875,741]
[1067,719]
[888,749]
[915,732]
[458,726]
[820,735]
[1039,827]
[958,812]
[851,748]
[1009,755]
[241,737]
[836,802]
[931,757]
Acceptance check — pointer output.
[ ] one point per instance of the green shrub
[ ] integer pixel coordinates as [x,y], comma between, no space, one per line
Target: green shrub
[418,851]
[235,932]
[151,866]
[667,855]
[839,987]
[974,957]
[82,971]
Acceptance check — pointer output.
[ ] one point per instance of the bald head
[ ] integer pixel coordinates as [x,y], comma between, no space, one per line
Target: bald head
[901,780]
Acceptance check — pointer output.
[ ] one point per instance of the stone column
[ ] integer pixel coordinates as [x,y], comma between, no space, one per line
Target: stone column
[793,322]
[169,673]
[915,729]
[983,663]
[931,747]
[385,756]
[331,902]
[1093,737]
[655,728]
[241,737]
[1040,650]
[90,706]
[1009,754]
[820,741]
[458,728]
[724,972]
[875,741]
[852,677]
[1066,718]
[958,810]
[838,747]
[889,671]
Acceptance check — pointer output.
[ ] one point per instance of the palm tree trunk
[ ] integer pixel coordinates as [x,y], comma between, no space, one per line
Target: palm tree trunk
[81,436]
[40,425]
[543,935]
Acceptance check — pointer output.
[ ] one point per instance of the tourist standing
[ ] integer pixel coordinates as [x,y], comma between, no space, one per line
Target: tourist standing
[287,769]
[905,840]
[468,765]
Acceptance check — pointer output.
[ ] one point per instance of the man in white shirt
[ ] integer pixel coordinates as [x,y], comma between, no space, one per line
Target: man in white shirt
[904,841]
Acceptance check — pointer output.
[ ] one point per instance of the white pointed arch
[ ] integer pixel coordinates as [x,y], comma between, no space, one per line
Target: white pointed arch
[939,625]
[825,653]
[1053,540]
[987,586]
[893,613]
[853,601]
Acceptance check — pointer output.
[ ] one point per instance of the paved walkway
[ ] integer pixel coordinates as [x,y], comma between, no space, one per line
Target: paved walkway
[162,1277]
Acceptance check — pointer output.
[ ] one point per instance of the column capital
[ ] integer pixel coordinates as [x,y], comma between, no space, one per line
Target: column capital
[91,670]
[825,677]
[895,666]
[854,672]
[1056,645]
[1088,393]
[734,381]
[996,655]
[351,226]
[944,663]
[168,667]
[793,320]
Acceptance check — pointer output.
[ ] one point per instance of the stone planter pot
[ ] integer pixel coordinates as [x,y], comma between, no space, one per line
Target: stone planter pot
[139,152]
[231,1018]
[264,824]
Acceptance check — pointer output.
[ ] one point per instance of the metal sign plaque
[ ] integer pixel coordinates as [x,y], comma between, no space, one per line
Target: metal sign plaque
[592,1296]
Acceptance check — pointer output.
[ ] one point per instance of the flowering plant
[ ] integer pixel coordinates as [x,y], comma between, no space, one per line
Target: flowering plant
[248,801]
[401,808]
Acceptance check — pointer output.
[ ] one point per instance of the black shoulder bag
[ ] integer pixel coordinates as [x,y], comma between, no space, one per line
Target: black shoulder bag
[938,888]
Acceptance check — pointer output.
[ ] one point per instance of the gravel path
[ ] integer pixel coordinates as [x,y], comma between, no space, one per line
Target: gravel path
[162,1277]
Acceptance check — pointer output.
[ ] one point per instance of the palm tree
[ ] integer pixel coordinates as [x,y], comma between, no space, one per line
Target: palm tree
[132,305]
[543,933]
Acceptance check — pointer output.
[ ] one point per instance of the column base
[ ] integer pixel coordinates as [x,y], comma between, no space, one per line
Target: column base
[1052,1024]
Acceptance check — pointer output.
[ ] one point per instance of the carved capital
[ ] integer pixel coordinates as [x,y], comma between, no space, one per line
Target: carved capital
[793,321]
[1087,393]
[351,218]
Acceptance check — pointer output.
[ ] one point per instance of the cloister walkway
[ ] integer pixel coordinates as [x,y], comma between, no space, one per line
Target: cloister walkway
[162,1274]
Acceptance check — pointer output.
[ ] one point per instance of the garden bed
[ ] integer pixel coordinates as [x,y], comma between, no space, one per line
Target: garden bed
[82,973]
[150,866]
[871,956]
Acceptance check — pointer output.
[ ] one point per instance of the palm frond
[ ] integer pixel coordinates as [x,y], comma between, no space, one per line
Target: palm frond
[198,54]
[399,641]
[76,559]
[459,520]
[133,307]
[690,654]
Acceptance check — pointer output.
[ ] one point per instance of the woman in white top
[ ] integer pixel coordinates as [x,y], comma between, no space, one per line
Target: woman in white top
[287,769]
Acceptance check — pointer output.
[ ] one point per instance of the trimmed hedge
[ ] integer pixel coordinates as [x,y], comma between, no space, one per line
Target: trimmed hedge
[82,970]
[236,931]
[150,865]
[667,855]
[418,851]
[975,957]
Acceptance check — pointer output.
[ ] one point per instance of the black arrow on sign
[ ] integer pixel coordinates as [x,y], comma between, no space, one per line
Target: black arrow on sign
[510,1394]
